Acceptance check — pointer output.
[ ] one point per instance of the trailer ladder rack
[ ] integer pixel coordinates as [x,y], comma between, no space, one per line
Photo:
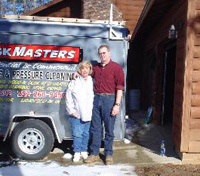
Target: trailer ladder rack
[63,20]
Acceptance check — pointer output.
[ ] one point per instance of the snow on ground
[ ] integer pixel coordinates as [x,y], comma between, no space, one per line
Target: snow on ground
[52,168]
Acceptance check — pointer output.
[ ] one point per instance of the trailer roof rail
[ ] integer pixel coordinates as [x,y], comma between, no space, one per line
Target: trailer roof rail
[58,19]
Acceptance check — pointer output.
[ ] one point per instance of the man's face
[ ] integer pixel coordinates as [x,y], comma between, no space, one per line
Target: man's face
[104,55]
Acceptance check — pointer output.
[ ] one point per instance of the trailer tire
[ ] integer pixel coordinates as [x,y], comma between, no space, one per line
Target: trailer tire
[32,139]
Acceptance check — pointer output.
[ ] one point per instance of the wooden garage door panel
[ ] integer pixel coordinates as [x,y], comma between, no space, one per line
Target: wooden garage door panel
[194,134]
[194,146]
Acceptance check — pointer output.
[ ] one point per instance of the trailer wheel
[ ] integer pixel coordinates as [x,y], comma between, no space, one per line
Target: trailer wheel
[32,139]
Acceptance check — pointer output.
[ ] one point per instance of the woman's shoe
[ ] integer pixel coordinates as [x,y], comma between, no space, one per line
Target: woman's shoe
[77,157]
[84,155]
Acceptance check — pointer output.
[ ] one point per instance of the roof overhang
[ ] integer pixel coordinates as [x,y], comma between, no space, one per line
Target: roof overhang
[145,11]
[153,12]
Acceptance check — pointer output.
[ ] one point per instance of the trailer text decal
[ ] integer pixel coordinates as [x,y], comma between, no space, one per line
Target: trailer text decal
[32,82]
[40,53]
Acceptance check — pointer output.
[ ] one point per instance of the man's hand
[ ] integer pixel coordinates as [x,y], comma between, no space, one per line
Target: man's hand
[75,75]
[115,110]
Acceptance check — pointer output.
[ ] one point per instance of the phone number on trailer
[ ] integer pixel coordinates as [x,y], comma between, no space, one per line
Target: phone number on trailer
[40,94]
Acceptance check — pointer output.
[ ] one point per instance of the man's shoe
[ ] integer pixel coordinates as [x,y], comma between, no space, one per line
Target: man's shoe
[109,160]
[92,159]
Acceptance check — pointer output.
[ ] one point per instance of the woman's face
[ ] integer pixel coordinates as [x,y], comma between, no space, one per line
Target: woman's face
[85,71]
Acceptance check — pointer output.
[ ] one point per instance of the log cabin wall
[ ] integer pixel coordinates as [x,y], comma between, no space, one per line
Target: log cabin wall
[186,115]
[194,63]
[157,40]
[59,8]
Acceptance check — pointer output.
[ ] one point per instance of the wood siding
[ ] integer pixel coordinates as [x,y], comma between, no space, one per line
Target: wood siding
[59,8]
[185,15]
[194,48]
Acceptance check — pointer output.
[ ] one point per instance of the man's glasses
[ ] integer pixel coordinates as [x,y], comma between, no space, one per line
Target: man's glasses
[102,53]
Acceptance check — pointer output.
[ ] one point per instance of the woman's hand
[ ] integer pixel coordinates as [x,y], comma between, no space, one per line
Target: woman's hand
[74,115]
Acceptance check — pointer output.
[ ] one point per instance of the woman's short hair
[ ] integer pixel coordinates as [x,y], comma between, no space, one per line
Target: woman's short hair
[85,64]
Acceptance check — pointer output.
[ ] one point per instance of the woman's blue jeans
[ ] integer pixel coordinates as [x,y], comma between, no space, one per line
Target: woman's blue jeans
[102,115]
[80,134]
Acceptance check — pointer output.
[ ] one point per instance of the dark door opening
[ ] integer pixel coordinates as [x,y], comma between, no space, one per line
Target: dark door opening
[169,65]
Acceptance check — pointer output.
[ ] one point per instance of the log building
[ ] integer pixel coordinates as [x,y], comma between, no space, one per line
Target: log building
[164,63]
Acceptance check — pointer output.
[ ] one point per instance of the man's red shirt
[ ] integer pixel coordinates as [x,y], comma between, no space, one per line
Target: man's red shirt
[108,78]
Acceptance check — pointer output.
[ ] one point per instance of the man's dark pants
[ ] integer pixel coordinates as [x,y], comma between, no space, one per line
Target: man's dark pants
[102,114]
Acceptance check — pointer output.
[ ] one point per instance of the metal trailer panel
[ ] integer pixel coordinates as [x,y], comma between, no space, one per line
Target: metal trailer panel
[51,28]
[86,36]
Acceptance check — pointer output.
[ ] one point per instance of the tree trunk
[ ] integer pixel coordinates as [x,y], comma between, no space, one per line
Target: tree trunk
[0,7]
[34,3]
[13,6]
[25,5]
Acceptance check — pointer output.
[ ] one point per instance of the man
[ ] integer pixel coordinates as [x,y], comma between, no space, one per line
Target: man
[108,86]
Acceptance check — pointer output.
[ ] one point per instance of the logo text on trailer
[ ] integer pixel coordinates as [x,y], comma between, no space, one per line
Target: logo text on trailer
[40,53]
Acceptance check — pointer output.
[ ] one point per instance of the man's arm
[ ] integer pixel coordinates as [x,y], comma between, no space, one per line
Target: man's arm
[75,75]
[119,79]
[115,109]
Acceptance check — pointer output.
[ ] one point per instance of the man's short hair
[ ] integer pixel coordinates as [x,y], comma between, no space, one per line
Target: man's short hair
[104,46]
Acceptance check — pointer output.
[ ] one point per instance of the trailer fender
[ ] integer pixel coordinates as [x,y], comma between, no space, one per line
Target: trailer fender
[19,118]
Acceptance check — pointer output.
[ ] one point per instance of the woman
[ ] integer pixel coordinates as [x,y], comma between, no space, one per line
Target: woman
[79,103]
